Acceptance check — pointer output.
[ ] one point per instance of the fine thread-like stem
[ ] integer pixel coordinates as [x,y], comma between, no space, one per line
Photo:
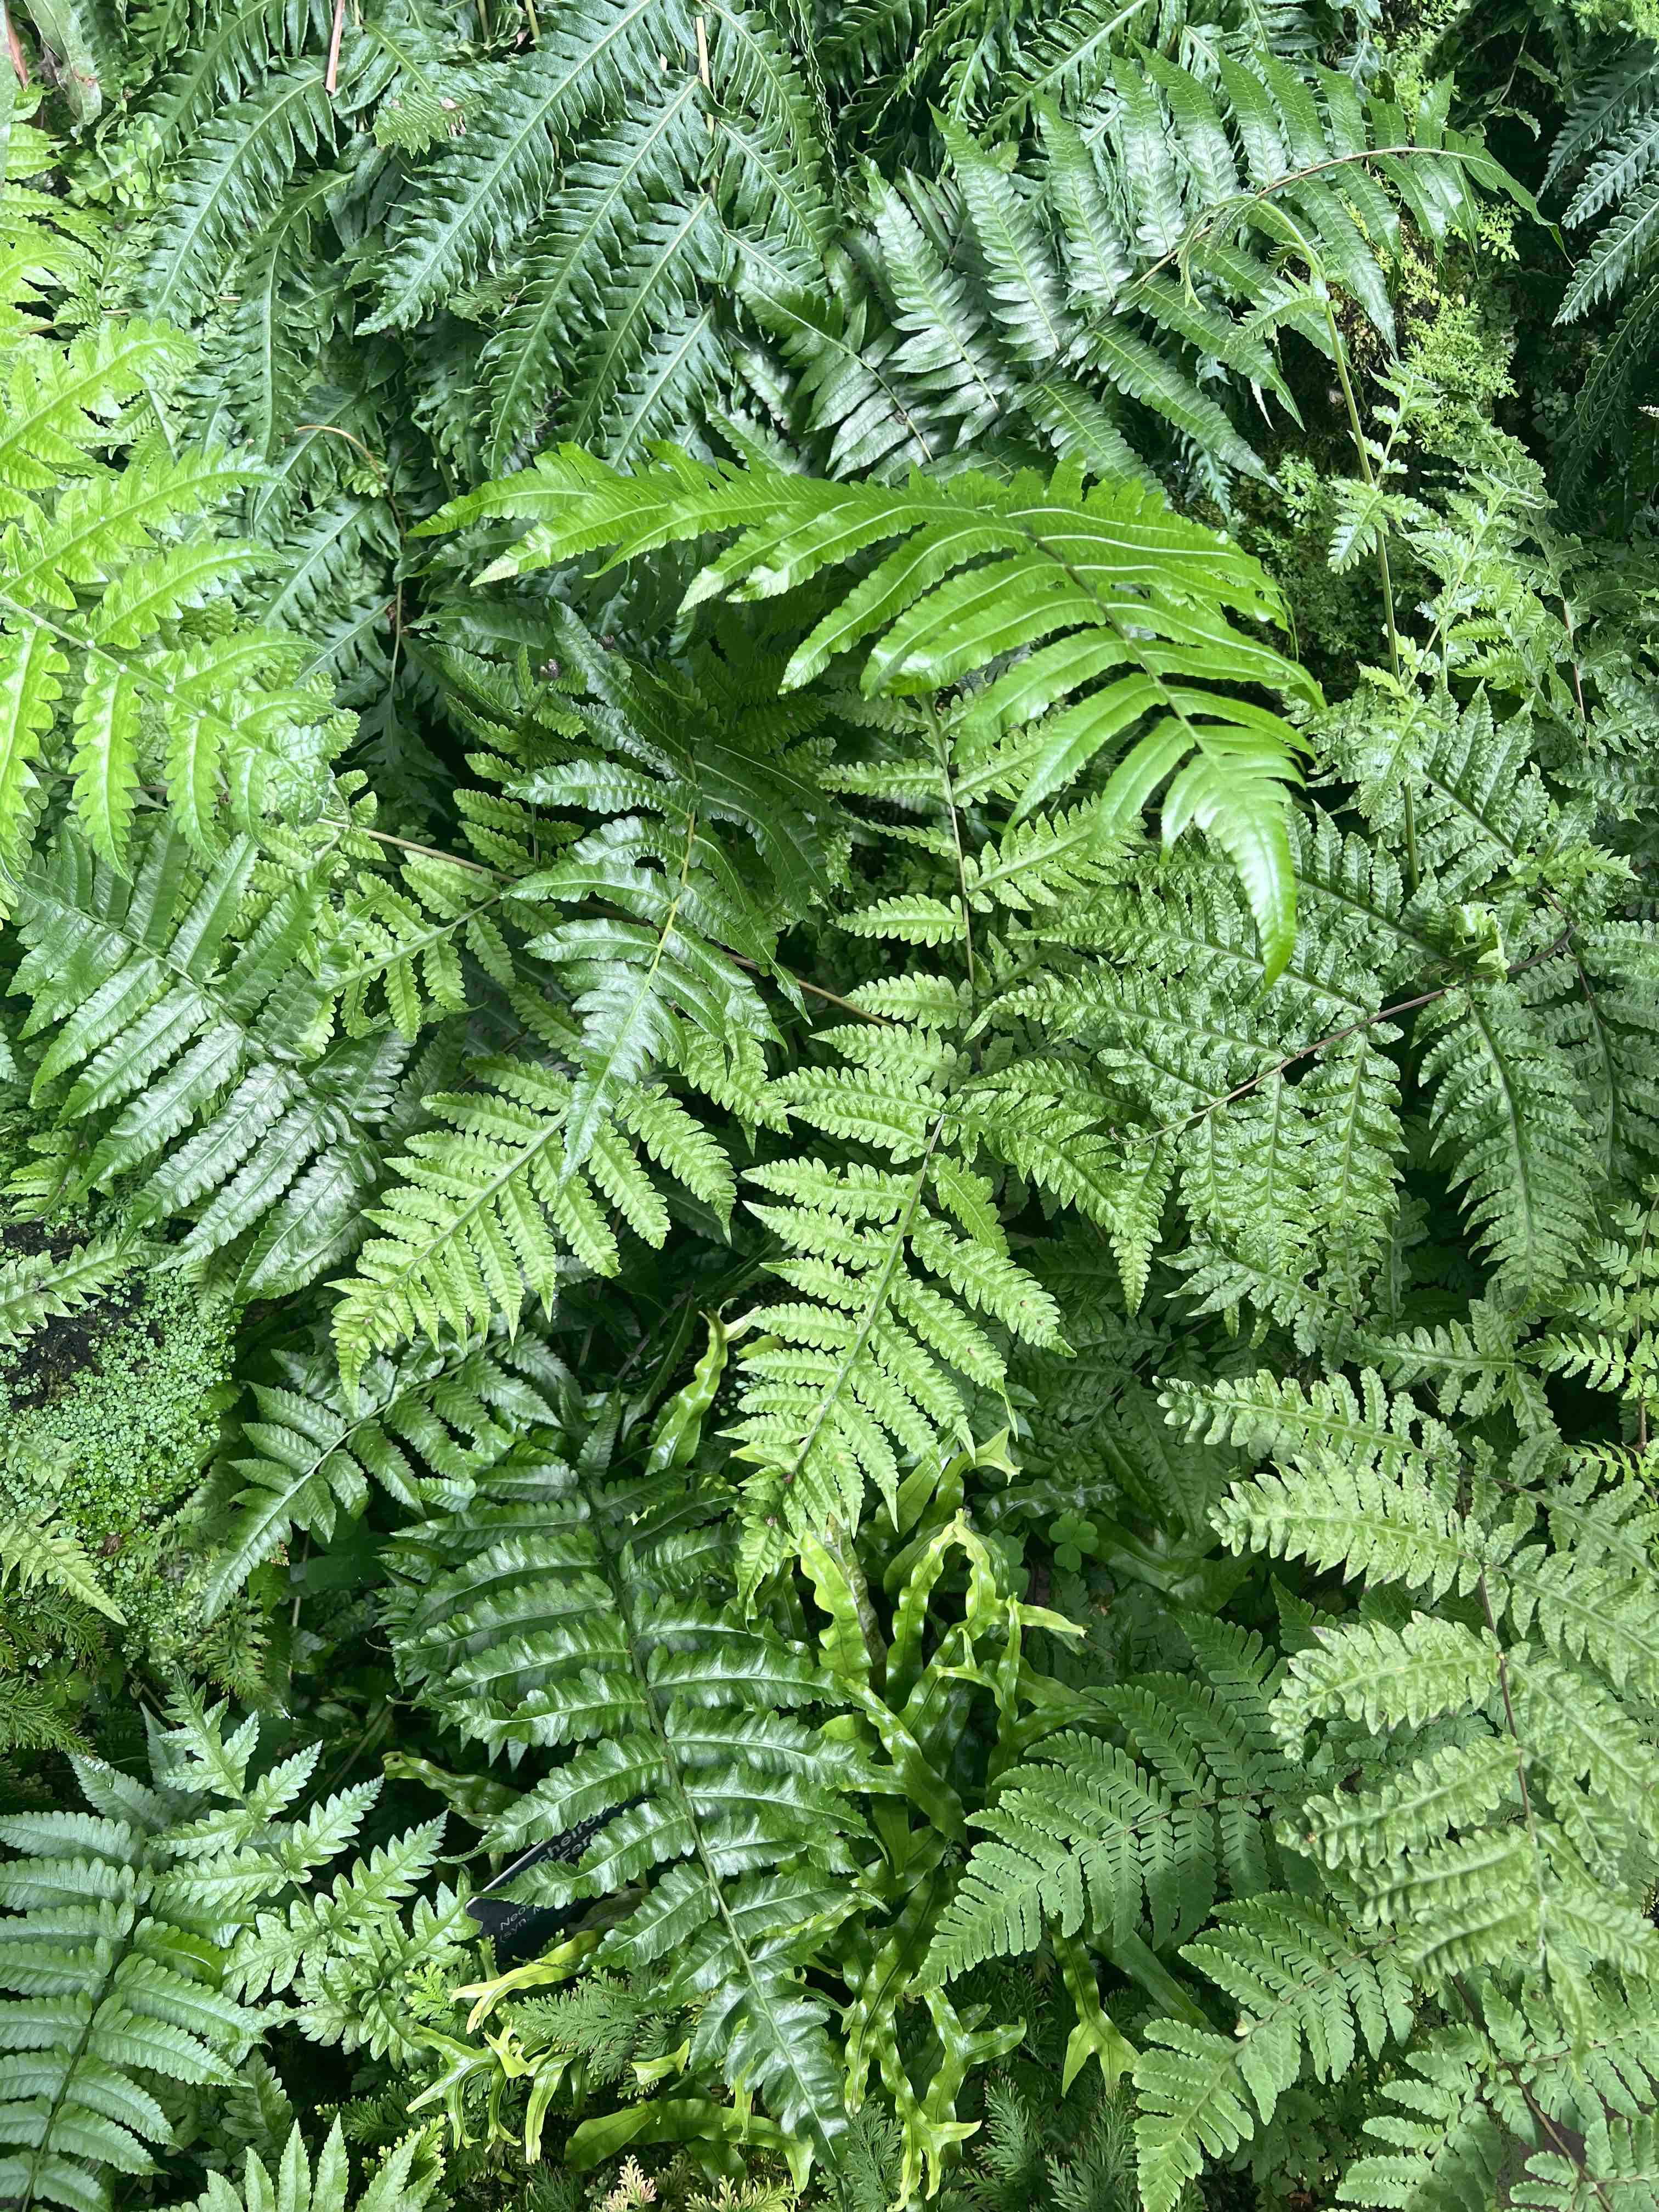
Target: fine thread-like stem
[1384,574]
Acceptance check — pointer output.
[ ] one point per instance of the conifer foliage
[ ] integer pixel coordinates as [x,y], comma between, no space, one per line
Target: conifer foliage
[830,831]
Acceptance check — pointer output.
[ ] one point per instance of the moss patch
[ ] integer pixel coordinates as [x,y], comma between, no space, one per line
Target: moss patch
[107,1419]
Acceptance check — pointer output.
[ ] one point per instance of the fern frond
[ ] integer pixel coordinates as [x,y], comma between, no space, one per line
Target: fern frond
[41,1286]
[424,1428]
[118,1921]
[1089,1835]
[177,1002]
[487,188]
[397,2185]
[685,1774]
[40,1553]
[1308,1993]
[1056,567]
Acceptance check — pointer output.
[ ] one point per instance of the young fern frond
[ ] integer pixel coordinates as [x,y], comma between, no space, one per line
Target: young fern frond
[297,2185]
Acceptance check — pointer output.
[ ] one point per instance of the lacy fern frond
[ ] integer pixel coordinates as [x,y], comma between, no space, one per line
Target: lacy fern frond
[705,836]
[1308,1993]
[1509,1833]
[120,1948]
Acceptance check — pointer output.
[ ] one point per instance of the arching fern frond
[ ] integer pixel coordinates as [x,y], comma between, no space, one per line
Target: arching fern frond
[425,1430]
[190,1046]
[1119,605]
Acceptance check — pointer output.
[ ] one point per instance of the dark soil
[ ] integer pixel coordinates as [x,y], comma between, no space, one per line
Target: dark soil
[50,1358]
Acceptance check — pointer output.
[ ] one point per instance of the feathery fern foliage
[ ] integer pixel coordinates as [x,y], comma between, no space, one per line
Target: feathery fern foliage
[808,1276]
[121,1949]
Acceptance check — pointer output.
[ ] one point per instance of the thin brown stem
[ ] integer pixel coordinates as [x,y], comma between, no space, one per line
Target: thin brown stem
[1559,2142]
[815,990]
[1385,577]
[1337,1036]
[1230,210]
[431,852]
[332,75]
[15,46]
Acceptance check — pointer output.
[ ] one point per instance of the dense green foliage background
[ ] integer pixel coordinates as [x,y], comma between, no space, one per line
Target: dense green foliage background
[830,1104]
